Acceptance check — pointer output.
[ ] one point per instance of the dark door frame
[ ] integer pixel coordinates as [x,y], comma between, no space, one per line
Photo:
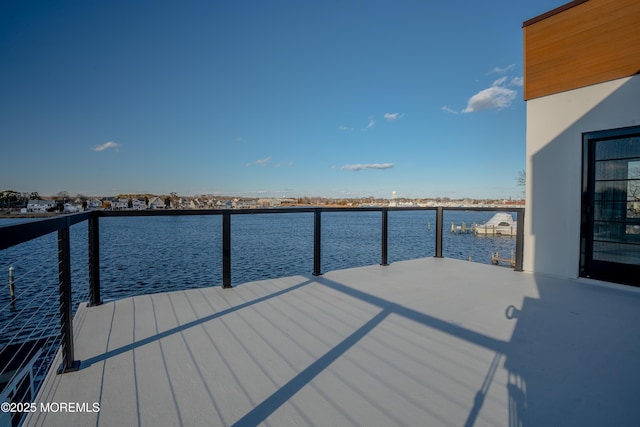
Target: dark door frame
[589,267]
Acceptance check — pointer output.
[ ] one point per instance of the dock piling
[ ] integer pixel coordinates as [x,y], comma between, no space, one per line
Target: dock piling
[12,289]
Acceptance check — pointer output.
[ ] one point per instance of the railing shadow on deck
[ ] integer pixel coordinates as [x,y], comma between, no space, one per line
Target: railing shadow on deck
[20,233]
[272,403]
[117,351]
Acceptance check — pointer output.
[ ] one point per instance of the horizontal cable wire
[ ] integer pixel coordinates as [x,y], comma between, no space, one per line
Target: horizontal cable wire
[42,298]
[34,327]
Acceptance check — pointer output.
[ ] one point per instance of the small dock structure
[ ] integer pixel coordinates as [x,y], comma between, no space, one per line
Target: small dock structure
[462,229]
[496,259]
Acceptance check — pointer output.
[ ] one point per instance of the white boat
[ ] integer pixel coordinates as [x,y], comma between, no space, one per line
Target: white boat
[501,224]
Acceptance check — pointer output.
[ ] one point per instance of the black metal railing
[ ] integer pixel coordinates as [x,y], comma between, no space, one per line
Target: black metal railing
[30,316]
[20,233]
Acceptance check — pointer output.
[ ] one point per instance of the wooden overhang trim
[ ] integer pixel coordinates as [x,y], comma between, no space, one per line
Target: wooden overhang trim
[555,11]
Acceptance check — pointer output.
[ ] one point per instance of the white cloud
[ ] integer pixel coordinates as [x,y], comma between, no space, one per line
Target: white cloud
[448,110]
[371,124]
[344,128]
[267,162]
[262,162]
[393,116]
[517,81]
[358,167]
[106,145]
[495,97]
[500,81]
[503,70]
[498,96]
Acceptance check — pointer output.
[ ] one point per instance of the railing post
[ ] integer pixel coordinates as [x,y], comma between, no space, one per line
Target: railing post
[385,236]
[66,316]
[519,240]
[94,260]
[226,249]
[317,237]
[439,220]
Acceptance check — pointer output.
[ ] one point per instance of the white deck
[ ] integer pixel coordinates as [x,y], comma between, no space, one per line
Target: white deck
[429,342]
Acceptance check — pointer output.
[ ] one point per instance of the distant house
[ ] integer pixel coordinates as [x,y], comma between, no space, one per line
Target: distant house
[93,204]
[72,207]
[40,205]
[156,203]
[269,203]
[180,203]
[197,204]
[246,204]
[513,202]
[119,204]
[228,204]
[138,205]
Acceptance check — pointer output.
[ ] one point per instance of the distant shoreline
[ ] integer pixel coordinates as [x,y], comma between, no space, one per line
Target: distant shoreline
[11,214]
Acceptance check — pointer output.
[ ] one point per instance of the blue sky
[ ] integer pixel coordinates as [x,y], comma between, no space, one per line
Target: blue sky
[264,98]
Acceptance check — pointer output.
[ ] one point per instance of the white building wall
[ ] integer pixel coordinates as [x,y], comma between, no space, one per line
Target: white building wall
[555,125]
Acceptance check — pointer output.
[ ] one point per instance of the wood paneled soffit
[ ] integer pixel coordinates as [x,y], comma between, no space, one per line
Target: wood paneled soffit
[582,43]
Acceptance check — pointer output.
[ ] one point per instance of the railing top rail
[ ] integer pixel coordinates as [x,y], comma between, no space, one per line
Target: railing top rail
[159,212]
[15,234]
[484,209]
[306,209]
[179,212]
[12,235]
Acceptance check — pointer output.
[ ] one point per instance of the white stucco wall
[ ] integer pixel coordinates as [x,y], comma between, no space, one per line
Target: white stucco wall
[555,125]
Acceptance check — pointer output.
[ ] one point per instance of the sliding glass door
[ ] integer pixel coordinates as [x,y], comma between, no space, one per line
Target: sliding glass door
[610,229]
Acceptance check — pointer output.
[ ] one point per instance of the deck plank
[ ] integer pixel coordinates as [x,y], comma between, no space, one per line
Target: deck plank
[421,342]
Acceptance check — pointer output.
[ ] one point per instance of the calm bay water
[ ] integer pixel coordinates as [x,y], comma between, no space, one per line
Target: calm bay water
[140,255]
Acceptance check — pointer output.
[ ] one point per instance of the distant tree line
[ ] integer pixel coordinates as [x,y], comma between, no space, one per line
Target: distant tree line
[11,199]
